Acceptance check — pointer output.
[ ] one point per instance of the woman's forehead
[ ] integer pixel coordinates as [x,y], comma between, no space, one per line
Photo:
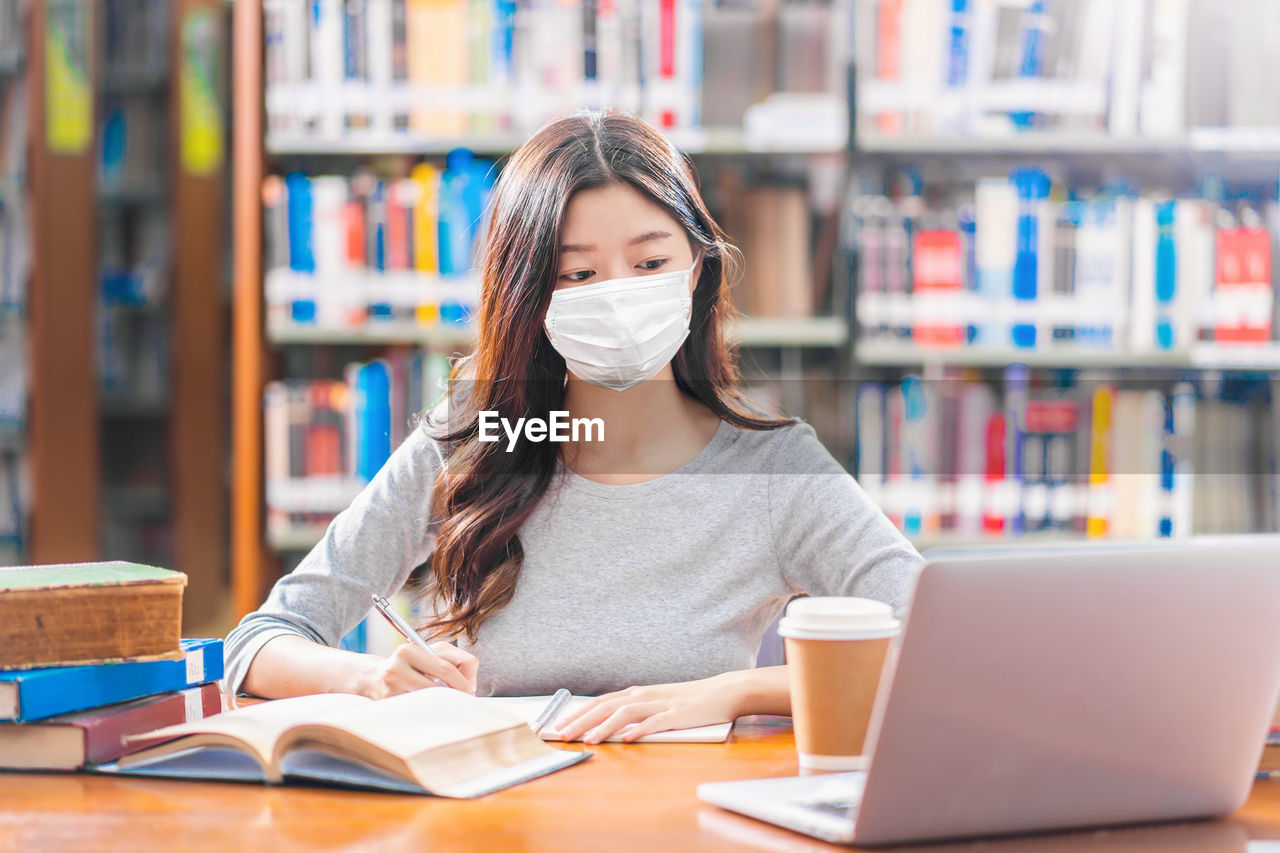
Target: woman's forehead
[613,214]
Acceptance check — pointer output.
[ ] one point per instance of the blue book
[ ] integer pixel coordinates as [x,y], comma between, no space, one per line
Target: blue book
[958,59]
[1033,189]
[1032,62]
[1166,273]
[373,418]
[34,694]
[302,257]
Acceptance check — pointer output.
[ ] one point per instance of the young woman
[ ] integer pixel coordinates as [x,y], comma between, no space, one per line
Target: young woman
[641,566]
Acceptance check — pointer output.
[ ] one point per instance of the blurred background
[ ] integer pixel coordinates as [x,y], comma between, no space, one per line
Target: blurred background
[1014,259]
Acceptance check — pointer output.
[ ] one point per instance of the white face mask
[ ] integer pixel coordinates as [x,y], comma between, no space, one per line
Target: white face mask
[621,332]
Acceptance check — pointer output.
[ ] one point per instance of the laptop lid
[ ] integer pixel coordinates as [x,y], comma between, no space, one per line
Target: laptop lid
[1065,688]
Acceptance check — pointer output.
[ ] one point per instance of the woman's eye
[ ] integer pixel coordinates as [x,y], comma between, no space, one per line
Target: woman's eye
[580,275]
[653,263]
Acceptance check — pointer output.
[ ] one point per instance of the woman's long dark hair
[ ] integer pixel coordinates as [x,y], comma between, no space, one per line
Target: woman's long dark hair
[484,494]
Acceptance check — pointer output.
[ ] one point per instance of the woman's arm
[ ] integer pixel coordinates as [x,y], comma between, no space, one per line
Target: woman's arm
[290,666]
[371,547]
[661,707]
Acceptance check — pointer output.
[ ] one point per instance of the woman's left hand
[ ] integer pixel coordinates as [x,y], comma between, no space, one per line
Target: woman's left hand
[640,711]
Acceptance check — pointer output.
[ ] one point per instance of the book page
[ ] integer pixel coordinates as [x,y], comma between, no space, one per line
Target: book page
[529,707]
[259,726]
[411,724]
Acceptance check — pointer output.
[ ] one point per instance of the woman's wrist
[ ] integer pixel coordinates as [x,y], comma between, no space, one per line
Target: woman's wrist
[756,691]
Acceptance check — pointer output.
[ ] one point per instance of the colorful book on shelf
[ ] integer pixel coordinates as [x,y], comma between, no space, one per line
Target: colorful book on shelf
[95,736]
[74,613]
[36,694]
[435,741]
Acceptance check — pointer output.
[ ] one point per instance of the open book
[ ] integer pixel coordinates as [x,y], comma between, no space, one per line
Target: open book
[433,741]
[529,707]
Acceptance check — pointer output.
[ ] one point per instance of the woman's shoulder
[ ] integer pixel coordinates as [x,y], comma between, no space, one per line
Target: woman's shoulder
[791,448]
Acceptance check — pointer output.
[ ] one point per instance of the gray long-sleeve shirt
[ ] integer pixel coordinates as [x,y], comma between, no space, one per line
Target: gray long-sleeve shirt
[672,579]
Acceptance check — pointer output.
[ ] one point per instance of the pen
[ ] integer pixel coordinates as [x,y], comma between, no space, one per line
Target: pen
[403,629]
[549,713]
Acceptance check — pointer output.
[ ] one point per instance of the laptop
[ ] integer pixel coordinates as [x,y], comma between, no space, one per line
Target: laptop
[1056,689]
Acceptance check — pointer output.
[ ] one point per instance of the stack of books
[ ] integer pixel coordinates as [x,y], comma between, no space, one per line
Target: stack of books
[90,655]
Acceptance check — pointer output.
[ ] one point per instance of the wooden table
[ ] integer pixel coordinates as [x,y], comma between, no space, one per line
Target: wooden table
[626,797]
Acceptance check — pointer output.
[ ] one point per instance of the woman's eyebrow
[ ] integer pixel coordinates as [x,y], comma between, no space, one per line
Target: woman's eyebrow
[566,248]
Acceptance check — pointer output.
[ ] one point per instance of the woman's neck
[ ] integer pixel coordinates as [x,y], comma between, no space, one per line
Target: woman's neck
[649,430]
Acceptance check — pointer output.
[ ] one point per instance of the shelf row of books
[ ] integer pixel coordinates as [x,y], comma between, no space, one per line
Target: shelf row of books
[1117,67]
[1090,456]
[325,439]
[382,69]
[357,252]
[1020,262]
[70,700]
[340,252]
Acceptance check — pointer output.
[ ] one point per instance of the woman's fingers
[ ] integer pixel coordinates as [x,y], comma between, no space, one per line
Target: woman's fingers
[608,714]
[465,662]
[430,666]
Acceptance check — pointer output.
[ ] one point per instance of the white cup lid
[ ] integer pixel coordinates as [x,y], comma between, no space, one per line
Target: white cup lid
[838,618]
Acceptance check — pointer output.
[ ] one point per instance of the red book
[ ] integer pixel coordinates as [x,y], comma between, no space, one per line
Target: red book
[324,436]
[993,514]
[96,736]
[889,59]
[938,286]
[399,208]
[1243,296]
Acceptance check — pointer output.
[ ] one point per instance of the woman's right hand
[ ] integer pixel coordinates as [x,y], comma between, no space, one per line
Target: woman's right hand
[412,668]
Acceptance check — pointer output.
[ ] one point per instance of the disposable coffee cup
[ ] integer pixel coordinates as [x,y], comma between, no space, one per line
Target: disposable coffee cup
[836,653]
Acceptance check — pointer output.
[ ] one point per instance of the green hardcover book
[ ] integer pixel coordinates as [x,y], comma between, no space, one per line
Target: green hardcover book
[88,613]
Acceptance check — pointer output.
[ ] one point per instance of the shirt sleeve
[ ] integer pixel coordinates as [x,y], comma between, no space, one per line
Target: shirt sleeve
[370,547]
[829,537]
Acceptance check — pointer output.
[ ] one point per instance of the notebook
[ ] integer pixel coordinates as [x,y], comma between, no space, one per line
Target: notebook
[528,708]
[432,741]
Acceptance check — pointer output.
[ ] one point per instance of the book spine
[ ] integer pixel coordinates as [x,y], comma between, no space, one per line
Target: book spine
[1127,59]
[889,59]
[105,731]
[301,255]
[1016,390]
[381,56]
[996,501]
[372,408]
[1100,501]
[426,215]
[1166,276]
[996,249]
[1032,187]
[974,409]
[1142,303]
[327,64]
[45,693]
[938,288]
[1163,99]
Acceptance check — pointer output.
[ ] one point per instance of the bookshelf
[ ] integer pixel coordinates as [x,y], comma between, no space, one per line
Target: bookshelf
[272,103]
[1114,327]
[71,434]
